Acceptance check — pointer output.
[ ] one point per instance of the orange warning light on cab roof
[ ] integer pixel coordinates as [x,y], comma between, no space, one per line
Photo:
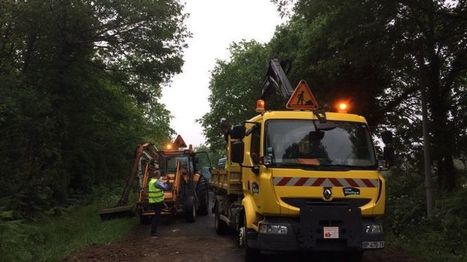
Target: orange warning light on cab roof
[260,106]
[343,107]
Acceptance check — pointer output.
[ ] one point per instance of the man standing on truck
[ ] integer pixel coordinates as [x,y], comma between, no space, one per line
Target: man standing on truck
[156,197]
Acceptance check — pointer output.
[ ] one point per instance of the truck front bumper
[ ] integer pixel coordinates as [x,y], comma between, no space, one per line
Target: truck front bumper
[348,231]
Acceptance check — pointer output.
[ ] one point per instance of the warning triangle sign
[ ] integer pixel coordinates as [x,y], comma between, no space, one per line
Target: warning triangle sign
[302,98]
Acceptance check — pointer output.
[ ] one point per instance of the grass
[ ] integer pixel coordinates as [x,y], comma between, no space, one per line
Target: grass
[52,239]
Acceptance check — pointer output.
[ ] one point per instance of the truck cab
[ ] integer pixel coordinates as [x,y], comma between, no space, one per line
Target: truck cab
[309,184]
[310,179]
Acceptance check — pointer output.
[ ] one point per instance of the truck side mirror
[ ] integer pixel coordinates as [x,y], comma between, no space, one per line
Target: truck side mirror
[237,149]
[387,137]
[388,155]
[238,132]
[388,152]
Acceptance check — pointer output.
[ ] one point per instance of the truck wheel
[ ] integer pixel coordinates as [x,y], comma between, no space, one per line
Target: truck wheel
[190,209]
[356,256]
[202,191]
[251,254]
[219,225]
[240,229]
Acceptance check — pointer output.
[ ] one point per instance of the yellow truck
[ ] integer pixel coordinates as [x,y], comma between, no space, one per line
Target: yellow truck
[301,180]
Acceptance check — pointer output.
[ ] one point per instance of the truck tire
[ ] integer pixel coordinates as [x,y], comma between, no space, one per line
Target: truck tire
[355,256]
[240,230]
[219,224]
[190,209]
[251,254]
[202,191]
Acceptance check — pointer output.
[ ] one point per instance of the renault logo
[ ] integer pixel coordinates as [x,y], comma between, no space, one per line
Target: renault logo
[327,193]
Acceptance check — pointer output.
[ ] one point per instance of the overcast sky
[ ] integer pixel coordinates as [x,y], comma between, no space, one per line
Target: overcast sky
[215,24]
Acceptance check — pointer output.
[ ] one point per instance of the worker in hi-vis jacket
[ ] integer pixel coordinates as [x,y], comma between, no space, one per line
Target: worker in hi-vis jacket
[156,190]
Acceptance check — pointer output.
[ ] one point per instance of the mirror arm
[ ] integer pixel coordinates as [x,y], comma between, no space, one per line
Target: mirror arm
[251,130]
[255,169]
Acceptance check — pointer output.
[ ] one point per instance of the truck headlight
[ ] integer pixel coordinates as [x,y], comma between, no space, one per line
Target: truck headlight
[373,229]
[272,229]
[372,244]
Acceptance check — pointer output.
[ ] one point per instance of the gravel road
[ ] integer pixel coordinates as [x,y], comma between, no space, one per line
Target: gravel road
[180,241]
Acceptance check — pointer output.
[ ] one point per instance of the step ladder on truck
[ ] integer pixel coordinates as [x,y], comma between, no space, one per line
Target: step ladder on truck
[301,179]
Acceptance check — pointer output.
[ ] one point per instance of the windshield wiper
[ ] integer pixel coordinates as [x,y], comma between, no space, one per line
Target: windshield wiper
[349,167]
[312,167]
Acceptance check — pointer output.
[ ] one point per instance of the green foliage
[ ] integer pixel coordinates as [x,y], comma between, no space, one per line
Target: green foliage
[235,85]
[379,55]
[52,239]
[81,82]
[405,206]
[440,238]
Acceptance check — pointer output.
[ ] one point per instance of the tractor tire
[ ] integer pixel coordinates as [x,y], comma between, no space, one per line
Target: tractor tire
[219,224]
[202,191]
[190,209]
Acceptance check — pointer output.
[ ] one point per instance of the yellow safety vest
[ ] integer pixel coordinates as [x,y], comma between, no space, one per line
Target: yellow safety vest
[156,195]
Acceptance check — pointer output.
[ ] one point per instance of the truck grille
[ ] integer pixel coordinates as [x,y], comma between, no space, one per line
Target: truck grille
[298,202]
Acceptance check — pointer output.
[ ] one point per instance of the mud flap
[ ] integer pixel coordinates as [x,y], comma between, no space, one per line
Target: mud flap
[313,219]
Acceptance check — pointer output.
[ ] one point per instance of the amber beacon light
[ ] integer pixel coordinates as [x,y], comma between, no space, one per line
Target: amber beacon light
[342,107]
[260,106]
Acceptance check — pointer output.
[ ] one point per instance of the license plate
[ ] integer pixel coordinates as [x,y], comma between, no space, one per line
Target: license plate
[330,232]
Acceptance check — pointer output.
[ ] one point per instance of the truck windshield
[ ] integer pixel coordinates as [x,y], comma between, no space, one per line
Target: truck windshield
[334,144]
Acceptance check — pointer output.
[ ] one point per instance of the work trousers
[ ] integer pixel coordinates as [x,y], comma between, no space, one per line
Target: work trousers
[157,207]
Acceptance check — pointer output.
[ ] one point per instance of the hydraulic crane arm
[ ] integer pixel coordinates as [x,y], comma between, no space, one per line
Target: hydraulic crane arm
[143,151]
[276,79]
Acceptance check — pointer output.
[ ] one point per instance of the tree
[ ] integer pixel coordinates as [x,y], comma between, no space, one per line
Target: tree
[82,82]
[380,54]
[235,85]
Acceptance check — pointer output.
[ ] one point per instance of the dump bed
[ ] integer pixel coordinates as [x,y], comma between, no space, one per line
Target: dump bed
[227,180]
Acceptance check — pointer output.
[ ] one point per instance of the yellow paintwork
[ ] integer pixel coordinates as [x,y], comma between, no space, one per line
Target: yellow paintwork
[307,115]
[268,203]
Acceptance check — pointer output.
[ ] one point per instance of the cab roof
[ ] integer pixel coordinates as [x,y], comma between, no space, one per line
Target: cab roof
[308,115]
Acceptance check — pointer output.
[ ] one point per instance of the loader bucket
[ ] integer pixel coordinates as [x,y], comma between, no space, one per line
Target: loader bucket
[117,212]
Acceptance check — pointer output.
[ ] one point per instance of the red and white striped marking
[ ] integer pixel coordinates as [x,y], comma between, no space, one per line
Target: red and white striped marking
[325,182]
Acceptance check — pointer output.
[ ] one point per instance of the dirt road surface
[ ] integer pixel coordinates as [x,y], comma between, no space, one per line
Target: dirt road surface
[180,241]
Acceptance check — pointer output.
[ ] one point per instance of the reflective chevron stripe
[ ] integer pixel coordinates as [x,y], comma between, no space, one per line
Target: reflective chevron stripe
[325,182]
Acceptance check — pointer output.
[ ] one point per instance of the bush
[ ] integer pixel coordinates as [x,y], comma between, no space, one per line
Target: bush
[441,238]
[42,237]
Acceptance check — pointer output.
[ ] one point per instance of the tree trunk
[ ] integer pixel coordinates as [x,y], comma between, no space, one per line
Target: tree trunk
[443,137]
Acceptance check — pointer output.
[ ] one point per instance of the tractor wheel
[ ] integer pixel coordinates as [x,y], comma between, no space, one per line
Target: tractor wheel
[202,191]
[190,209]
[219,224]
